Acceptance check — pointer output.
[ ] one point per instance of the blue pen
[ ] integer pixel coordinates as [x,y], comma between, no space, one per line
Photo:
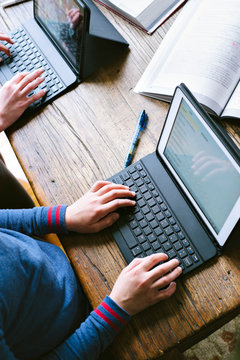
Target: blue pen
[141,124]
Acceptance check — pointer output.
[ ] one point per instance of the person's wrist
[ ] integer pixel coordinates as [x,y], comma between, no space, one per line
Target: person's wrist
[68,223]
[123,305]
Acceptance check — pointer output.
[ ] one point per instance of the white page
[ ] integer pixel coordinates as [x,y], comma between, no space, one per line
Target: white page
[200,53]
[233,106]
[132,7]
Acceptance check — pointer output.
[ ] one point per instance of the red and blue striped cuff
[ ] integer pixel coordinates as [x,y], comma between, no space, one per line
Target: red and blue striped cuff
[56,219]
[112,314]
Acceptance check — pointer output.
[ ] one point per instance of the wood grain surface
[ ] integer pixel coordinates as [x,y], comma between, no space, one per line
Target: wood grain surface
[83,136]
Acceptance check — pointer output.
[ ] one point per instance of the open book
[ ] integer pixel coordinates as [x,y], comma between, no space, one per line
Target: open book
[145,14]
[202,50]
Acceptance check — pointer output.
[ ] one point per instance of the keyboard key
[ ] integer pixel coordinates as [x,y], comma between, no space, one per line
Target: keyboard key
[145,210]
[139,182]
[152,237]
[167,245]
[187,261]
[171,254]
[147,180]
[152,202]
[159,199]
[138,194]
[146,246]
[143,189]
[156,245]
[162,238]
[167,213]
[160,216]
[132,171]
[143,223]
[181,235]
[141,238]
[134,210]
[137,231]
[168,230]
[158,231]
[173,238]
[182,253]
[195,258]
[163,206]
[129,182]
[185,242]
[147,196]
[147,230]
[172,221]
[149,216]
[139,167]
[149,252]
[131,242]
[164,223]
[135,176]
[178,245]
[156,209]
[136,251]
[139,216]
[133,224]
[125,176]
[190,250]
[141,203]
[154,224]
[143,174]
[117,180]
[155,193]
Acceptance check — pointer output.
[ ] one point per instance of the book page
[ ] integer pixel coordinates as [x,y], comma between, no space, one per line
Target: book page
[202,50]
[132,7]
[233,106]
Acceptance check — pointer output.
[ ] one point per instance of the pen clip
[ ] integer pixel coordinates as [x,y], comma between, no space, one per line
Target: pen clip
[143,121]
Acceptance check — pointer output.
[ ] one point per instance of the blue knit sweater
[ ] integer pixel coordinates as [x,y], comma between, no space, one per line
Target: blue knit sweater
[41,304]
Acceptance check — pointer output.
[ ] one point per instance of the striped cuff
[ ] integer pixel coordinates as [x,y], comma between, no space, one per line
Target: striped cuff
[112,314]
[56,219]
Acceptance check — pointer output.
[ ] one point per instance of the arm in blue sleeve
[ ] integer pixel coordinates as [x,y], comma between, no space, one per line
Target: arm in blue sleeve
[94,335]
[36,221]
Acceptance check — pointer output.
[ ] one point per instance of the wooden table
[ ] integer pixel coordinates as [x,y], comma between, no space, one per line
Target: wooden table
[84,136]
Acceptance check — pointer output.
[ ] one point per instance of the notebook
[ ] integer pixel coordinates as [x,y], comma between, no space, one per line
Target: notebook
[62,38]
[187,191]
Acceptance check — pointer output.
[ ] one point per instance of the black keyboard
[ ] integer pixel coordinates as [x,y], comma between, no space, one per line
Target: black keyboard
[26,56]
[152,225]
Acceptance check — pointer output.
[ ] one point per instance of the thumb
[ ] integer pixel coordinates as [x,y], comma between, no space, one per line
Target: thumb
[107,221]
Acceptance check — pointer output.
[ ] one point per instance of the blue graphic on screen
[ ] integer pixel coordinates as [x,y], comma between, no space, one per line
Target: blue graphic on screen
[203,167]
[63,20]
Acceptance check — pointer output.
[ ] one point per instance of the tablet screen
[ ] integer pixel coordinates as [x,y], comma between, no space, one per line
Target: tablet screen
[203,167]
[63,20]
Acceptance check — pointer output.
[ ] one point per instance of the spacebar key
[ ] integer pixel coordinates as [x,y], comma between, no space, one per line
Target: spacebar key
[128,236]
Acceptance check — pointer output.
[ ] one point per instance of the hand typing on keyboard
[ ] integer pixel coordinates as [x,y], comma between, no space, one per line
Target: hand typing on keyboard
[96,210]
[14,95]
[3,47]
[142,283]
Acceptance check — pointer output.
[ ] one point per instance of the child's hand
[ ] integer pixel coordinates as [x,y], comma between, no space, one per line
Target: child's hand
[13,96]
[96,210]
[4,48]
[141,285]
